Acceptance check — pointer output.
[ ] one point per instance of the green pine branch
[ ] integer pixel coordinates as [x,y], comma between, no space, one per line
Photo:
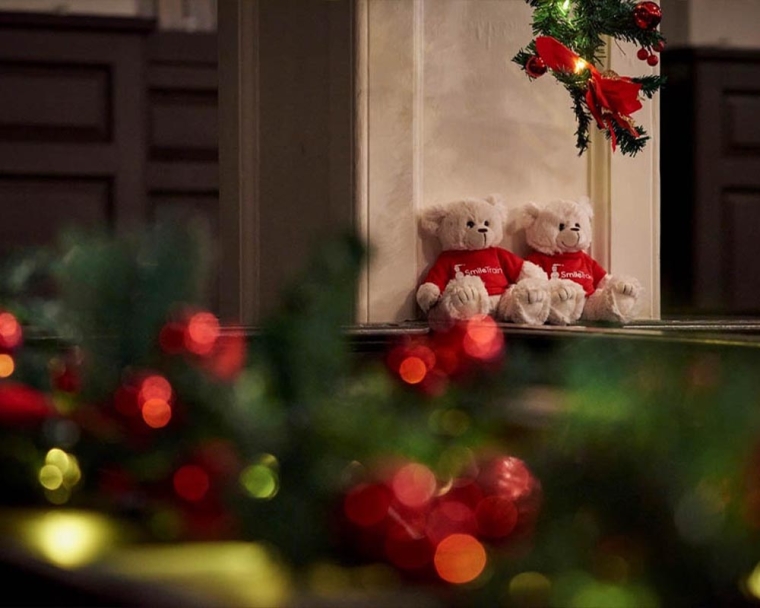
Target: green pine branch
[582,26]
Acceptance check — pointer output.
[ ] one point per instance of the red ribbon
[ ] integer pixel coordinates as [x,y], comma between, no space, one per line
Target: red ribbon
[609,97]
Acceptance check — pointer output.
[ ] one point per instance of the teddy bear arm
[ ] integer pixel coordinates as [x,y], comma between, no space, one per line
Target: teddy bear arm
[427,295]
[530,270]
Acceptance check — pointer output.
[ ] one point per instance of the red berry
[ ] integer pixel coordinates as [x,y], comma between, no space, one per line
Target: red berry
[642,54]
[653,60]
[659,46]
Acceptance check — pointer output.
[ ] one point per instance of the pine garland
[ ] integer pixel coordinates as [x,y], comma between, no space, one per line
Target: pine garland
[581,26]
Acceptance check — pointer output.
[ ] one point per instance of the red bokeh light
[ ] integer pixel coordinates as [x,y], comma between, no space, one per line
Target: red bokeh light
[154,386]
[191,482]
[171,338]
[460,558]
[449,517]
[483,340]
[125,400]
[10,331]
[509,477]
[156,413]
[367,504]
[407,548]
[412,370]
[21,404]
[496,516]
[414,485]
[228,356]
[201,333]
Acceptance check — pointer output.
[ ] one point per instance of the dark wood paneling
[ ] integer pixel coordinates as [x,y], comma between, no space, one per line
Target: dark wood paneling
[710,179]
[37,208]
[742,127]
[183,125]
[741,272]
[53,102]
[72,106]
[104,122]
[183,142]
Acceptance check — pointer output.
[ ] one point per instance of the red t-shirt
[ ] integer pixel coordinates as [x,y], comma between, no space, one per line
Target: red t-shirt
[578,266]
[497,267]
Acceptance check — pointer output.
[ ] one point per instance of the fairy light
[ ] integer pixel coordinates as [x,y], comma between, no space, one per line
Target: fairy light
[202,333]
[580,65]
[156,413]
[412,370]
[7,365]
[59,475]
[261,479]
[459,558]
[70,539]
[154,387]
[483,340]
[10,331]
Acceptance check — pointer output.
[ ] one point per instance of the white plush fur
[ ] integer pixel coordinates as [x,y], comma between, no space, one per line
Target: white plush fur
[464,297]
[564,226]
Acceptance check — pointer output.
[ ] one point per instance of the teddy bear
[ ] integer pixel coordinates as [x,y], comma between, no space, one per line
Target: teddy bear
[558,234]
[473,275]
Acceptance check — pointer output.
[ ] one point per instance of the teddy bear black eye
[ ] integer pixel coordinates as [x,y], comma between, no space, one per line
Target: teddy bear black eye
[470,224]
[561,227]
[487,223]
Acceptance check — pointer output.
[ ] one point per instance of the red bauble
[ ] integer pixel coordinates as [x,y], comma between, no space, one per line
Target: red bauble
[535,66]
[659,46]
[653,60]
[642,54]
[21,404]
[647,15]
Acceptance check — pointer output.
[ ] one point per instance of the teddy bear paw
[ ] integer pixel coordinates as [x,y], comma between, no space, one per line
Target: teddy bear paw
[465,297]
[567,301]
[528,303]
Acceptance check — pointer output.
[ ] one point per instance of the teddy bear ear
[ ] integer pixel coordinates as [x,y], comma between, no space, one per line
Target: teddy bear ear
[431,218]
[585,204]
[497,201]
[522,217]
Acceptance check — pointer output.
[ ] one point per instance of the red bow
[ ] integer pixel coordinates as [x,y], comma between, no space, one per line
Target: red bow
[609,96]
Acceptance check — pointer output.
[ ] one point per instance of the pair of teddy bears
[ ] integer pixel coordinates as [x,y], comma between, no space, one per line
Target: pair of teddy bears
[557,283]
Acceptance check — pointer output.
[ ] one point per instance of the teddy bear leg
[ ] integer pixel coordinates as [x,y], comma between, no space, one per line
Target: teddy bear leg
[567,302]
[464,298]
[527,302]
[616,302]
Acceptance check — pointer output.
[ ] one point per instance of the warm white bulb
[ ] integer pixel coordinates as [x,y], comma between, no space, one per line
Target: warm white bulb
[580,65]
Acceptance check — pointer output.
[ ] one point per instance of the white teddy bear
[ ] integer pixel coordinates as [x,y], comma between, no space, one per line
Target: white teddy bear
[473,275]
[559,234]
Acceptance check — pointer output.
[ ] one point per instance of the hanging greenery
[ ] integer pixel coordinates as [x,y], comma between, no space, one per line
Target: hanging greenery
[569,42]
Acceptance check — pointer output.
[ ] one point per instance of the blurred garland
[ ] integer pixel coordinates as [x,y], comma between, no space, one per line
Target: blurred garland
[614,472]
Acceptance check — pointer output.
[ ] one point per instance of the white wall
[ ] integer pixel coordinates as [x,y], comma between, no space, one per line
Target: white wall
[186,15]
[123,8]
[723,23]
[446,114]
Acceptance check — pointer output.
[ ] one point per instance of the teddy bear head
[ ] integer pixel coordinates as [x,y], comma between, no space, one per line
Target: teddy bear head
[560,226]
[467,224]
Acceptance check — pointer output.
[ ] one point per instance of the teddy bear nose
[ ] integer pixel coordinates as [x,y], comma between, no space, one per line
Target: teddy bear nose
[575,228]
[482,229]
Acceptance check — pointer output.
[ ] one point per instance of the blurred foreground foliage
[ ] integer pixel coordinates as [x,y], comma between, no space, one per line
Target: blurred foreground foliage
[645,447]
